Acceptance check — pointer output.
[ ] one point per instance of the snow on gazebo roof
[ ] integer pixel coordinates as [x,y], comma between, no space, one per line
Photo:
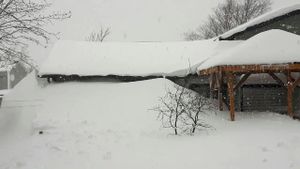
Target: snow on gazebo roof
[129,59]
[270,47]
[263,18]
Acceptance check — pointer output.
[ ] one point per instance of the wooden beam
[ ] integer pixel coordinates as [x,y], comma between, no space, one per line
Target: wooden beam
[257,68]
[290,94]
[242,81]
[230,83]
[277,79]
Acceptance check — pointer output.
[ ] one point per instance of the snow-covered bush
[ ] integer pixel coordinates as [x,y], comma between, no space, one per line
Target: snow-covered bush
[181,110]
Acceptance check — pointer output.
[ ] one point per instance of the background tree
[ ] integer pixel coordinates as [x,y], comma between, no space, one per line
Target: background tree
[228,15]
[23,22]
[98,36]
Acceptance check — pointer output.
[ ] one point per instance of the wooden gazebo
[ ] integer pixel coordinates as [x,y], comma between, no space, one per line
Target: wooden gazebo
[220,75]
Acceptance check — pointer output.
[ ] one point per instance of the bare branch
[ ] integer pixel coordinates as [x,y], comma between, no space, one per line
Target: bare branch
[228,15]
[23,22]
[181,109]
[99,36]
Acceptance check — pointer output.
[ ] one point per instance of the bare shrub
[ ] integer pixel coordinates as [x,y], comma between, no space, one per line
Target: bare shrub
[195,106]
[181,109]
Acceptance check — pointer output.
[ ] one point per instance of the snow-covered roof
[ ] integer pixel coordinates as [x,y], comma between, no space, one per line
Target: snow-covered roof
[263,18]
[130,59]
[270,47]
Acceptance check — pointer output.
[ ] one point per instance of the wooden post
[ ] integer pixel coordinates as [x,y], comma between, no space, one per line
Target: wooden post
[220,91]
[211,79]
[230,84]
[290,94]
[8,79]
[220,99]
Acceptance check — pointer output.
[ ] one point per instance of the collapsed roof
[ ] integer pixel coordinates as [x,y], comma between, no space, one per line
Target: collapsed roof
[174,58]
[130,59]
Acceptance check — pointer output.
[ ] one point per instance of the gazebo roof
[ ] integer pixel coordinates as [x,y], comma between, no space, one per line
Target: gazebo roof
[273,50]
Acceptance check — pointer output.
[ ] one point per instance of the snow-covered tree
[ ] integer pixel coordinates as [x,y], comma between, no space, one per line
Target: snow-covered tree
[23,22]
[228,15]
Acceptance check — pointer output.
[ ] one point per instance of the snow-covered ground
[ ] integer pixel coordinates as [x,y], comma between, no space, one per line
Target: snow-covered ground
[98,125]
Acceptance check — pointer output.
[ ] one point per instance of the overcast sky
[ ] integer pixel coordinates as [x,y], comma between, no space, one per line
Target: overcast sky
[134,20]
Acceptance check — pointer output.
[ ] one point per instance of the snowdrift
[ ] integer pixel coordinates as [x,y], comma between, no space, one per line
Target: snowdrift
[92,125]
[121,106]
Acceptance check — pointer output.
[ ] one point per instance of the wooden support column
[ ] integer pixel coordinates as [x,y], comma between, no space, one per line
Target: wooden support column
[211,85]
[220,91]
[230,84]
[290,94]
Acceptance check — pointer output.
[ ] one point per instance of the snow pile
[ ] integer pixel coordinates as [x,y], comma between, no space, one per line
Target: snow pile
[92,125]
[263,18]
[270,47]
[129,59]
